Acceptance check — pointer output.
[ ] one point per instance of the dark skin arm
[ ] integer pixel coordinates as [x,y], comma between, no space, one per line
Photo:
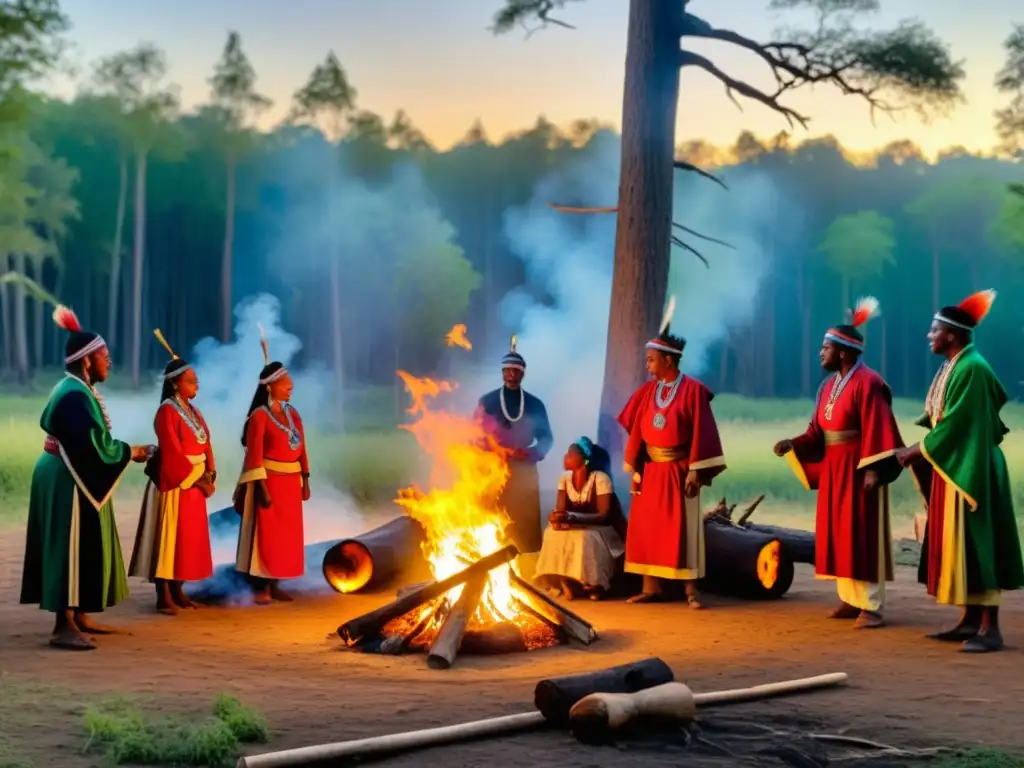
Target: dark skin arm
[604,508]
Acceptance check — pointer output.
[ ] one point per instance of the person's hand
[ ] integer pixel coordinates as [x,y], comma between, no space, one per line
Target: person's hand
[628,468]
[558,516]
[205,487]
[870,480]
[238,499]
[521,454]
[909,455]
[140,453]
[262,494]
[692,487]
[305,487]
[783,447]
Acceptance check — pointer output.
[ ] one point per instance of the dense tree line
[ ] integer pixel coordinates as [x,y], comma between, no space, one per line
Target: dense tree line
[139,216]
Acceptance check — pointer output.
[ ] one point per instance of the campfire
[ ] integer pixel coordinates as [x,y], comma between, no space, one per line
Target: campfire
[477,602]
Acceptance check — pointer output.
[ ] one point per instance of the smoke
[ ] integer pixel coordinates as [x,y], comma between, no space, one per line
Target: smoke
[561,317]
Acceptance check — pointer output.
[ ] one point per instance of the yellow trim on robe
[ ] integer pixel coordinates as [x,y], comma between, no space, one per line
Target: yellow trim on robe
[695,550]
[282,467]
[797,467]
[952,586]
[971,502]
[661,455]
[157,536]
[715,461]
[868,461]
[97,503]
[247,556]
[74,545]
[839,436]
[252,475]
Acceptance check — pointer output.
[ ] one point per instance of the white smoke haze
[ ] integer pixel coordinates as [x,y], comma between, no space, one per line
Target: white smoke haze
[569,258]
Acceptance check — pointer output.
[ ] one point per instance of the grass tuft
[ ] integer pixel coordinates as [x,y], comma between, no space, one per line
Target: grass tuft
[125,734]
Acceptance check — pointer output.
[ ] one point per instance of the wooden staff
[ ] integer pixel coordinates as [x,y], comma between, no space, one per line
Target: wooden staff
[433,737]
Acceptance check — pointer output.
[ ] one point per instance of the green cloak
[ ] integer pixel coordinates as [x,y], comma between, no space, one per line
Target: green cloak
[72,552]
[963,447]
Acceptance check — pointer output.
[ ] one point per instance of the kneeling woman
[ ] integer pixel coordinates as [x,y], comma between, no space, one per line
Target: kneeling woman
[272,488]
[583,543]
[172,543]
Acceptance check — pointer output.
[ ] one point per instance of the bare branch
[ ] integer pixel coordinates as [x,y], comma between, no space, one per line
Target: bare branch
[695,233]
[581,209]
[686,247]
[684,165]
[733,86]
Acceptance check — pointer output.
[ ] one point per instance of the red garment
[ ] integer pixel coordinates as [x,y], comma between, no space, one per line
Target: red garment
[193,560]
[657,537]
[834,453]
[272,540]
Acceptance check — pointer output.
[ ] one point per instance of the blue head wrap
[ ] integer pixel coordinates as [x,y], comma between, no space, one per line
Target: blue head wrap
[586,447]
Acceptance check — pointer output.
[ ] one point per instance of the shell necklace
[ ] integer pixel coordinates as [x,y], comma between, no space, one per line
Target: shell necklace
[504,407]
[96,395]
[294,436]
[667,391]
[838,385]
[193,424]
[935,402]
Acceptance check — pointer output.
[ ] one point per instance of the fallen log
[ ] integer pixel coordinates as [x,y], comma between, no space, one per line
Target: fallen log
[799,544]
[596,718]
[745,563]
[446,645]
[370,624]
[574,626]
[375,557]
[556,696]
[377,746]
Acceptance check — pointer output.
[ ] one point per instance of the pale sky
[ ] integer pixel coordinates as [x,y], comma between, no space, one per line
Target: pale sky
[437,60]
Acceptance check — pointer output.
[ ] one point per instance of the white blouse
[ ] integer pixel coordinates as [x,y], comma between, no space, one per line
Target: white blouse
[597,480]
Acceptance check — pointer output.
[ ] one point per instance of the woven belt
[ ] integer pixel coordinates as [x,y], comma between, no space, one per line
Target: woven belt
[665,455]
[838,437]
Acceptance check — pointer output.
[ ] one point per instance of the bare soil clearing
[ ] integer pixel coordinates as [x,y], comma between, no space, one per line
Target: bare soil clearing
[904,689]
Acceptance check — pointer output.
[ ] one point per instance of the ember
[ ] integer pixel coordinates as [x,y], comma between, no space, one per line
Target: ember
[487,608]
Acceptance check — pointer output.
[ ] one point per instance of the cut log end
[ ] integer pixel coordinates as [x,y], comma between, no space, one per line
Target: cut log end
[348,567]
[768,563]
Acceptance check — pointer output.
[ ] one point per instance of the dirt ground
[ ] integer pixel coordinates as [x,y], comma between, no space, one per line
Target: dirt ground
[903,690]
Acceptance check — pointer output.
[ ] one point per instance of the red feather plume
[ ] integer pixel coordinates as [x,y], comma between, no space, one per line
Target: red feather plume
[866,309]
[65,318]
[977,305]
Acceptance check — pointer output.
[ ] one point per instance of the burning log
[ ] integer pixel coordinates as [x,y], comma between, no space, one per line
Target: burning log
[370,624]
[446,645]
[745,563]
[798,544]
[574,626]
[375,557]
[556,696]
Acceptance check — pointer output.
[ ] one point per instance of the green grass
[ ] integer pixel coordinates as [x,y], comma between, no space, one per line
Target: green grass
[371,462]
[981,758]
[125,734]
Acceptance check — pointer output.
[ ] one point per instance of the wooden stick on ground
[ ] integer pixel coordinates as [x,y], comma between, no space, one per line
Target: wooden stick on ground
[576,627]
[433,737]
[370,624]
[446,645]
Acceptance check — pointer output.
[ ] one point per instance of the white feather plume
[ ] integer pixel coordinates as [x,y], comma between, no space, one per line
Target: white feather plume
[667,317]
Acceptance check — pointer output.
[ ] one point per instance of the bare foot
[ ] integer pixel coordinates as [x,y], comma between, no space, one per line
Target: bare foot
[646,597]
[958,634]
[987,643]
[90,627]
[276,593]
[844,611]
[694,603]
[70,639]
[262,597]
[869,620]
[168,609]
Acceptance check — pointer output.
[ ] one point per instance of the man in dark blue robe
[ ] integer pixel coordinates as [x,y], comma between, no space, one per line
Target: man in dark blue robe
[519,423]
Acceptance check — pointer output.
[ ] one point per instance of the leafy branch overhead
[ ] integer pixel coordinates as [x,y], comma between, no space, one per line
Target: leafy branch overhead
[1010,80]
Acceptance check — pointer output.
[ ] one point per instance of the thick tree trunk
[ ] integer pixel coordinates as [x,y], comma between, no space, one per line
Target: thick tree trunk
[6,349]
[138,260]
[114,296]
[20,323]
[227,259]
[644,224]
[337,347]
[804,290]
[38,305]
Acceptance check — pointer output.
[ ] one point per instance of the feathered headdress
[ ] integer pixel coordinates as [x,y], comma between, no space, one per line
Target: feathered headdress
[848,334]
[665,341]
[264,345]
[66,318]
[968,314]
[80,343]
[176,366]
[513,359]
[867,308]
[164,344]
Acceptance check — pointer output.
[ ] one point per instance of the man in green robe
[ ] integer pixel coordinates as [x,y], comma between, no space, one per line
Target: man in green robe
[73,563]
[971,551]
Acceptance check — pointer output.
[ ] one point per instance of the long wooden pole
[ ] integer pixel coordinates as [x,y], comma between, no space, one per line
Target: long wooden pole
[432,737]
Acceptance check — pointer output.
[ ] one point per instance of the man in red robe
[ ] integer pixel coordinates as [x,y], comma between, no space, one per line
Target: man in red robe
[848,454]
[673,435]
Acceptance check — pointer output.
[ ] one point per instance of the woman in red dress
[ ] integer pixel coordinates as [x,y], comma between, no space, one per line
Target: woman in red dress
[273,485]
[172,543]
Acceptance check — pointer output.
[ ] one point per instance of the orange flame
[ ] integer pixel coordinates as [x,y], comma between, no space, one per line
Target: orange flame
[456,337]
[460,514]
